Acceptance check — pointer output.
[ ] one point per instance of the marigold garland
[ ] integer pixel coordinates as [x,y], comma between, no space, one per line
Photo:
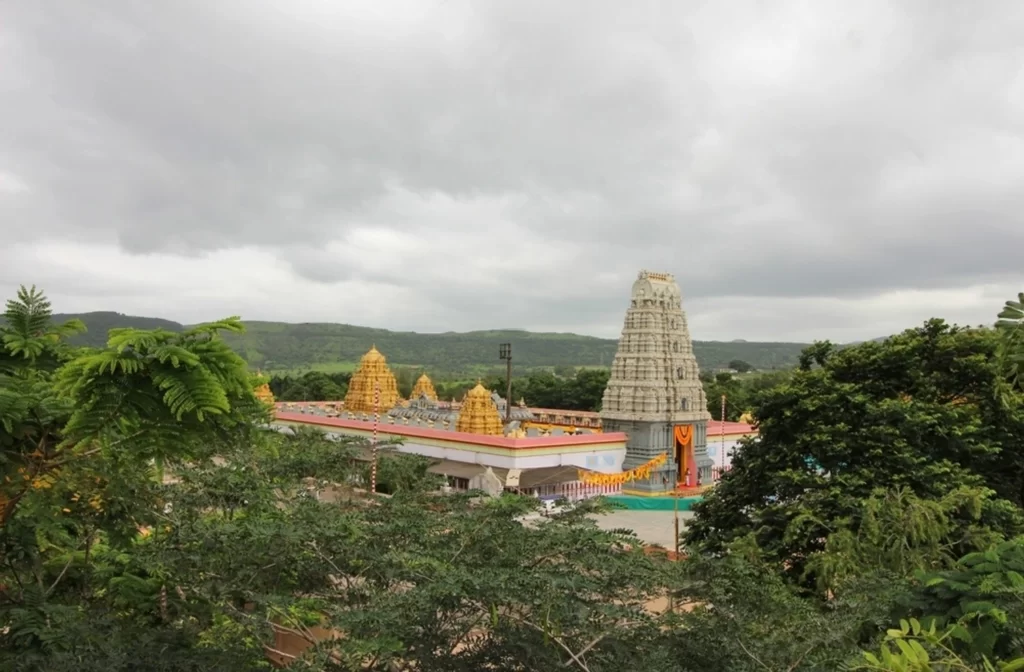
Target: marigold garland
[636,474]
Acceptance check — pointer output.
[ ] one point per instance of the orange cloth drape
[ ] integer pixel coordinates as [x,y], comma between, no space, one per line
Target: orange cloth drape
[684,441]
[640,473]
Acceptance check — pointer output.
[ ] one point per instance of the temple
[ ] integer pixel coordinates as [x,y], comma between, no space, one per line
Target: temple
[373,374]
[423,388]
[651,436]
[654,393]
[479,414]
[263,392]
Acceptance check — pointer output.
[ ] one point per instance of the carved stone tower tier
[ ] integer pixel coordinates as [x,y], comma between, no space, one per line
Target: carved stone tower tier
[654,393]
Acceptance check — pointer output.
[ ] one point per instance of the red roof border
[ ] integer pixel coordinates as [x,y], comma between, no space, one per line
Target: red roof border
[714,427]
[506,443]
[717,428]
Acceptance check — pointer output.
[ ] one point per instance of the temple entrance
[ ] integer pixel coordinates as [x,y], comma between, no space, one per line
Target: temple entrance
[686,475]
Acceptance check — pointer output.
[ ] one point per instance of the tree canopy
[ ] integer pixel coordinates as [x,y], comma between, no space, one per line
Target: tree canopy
[920,411]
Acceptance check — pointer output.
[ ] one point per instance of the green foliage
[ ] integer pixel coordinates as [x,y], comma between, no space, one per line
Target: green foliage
[397,472]
[917,412]
[1011,328]
[159,382]
[542,389]
[745,618]
[741,392]
[740,366]
[311,386]
[915,647]
[981,600]
[276,346]
[461,587]
[899,532]
[79,429]
[28,334]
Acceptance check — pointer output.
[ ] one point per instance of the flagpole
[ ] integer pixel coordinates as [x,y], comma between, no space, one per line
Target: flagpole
[723,435]
[373,442]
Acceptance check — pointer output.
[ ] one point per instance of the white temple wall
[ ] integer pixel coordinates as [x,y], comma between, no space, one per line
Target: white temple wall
[607,461]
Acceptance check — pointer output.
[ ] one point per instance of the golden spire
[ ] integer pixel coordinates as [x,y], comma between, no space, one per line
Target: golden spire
[373,372]
[262,391]
[424,387]
[479,414]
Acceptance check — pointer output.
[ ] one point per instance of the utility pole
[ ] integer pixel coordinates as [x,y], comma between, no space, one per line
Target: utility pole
[723,436]
[505,352]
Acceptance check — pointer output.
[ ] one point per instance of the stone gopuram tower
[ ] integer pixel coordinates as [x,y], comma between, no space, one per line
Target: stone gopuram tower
[654,393]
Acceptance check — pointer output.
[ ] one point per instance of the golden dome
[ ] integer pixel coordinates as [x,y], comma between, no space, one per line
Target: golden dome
[424,387]
[747,418]
[373,355]
[373,374]
[479,414]
[264,394]
[262,391]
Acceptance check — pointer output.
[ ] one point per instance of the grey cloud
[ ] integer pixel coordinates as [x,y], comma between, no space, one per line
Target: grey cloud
[749,148]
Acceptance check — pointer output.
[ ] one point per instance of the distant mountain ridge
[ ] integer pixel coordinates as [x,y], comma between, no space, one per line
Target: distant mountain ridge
[281,345]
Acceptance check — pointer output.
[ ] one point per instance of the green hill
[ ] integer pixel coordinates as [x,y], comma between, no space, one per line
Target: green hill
[99,323]
[278,346]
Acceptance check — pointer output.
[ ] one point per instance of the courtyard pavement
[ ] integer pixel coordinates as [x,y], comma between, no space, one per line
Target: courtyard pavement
[653,527]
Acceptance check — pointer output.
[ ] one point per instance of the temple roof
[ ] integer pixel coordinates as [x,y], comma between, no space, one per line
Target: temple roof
[479,392]
[478,413]
[373,355]
[373,387]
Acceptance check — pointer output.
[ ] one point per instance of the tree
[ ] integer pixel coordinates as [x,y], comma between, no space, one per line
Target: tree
[583,391]
[586,390]
[742,617]
[310,386]
[924,648]
[981,600]
[918,411]
[564,371]
[1011,328]
[740,366]
[479,590]
[83,434]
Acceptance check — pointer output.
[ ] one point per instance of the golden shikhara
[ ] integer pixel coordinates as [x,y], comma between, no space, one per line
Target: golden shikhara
[424,387]
[263,392]
[373,371]
[479,414]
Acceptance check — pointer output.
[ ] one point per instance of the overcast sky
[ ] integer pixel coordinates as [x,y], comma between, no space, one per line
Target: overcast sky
[806,169]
